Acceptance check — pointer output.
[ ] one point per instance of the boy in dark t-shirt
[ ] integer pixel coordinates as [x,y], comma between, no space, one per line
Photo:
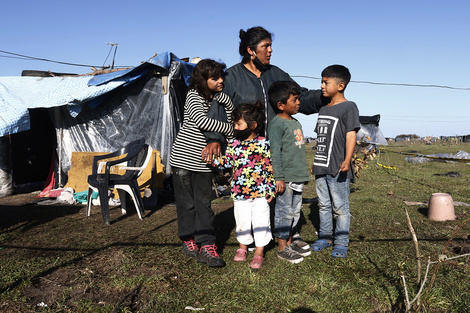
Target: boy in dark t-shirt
[336,129]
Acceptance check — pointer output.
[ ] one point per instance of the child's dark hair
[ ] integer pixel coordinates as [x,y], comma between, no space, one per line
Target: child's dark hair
[251,38]
[204,70]
[250,113]
[338,72]
[280,91]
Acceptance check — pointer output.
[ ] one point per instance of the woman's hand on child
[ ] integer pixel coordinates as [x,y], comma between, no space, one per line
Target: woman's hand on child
[211,151]
[269,198]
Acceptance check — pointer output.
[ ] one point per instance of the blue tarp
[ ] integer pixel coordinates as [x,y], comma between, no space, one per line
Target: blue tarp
[18,94]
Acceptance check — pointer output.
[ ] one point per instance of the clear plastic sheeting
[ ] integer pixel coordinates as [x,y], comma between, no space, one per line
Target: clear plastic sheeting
[6,187]
[416,160]
[462,155]
[370,133]
[441,157]
[137,110]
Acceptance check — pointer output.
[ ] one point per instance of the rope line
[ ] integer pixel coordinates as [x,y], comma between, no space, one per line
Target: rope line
[387,167]
[40,59]
[391,84]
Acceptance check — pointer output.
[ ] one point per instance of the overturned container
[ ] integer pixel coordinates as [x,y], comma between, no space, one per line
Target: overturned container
[441,207]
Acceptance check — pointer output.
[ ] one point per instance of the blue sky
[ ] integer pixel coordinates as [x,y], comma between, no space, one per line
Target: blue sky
[405,42]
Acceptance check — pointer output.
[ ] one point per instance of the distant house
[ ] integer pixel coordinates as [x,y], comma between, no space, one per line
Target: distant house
[402,138]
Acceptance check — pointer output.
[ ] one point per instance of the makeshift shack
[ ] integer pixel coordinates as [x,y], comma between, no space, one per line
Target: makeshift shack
[45,119]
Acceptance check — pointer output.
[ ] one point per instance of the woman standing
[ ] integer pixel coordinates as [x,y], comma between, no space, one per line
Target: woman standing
[249,82]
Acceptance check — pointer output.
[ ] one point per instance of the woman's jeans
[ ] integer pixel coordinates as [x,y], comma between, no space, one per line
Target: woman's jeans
[193,195]
[333,201]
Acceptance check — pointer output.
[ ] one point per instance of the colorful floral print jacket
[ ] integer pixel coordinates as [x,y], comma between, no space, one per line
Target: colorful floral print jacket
[252,169]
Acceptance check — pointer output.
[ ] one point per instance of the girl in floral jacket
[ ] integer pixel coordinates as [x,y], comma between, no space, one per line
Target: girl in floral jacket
[253,185]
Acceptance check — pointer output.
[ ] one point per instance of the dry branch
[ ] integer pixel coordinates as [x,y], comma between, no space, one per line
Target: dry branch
[415,241]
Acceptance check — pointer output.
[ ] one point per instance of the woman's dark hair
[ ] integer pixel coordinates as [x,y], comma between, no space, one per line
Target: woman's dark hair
[204,70]
[250,113]
[251,38]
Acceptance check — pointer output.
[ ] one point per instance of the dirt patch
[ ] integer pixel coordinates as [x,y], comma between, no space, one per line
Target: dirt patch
[50,287]
[20,199]
[77,263]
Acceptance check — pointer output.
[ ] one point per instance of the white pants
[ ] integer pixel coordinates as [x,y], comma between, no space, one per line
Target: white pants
[252,217]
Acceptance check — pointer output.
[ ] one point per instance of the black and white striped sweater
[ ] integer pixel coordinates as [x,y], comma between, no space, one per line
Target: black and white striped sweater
[187,148]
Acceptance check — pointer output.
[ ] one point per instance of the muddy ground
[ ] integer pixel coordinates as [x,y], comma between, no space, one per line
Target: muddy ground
[74,262]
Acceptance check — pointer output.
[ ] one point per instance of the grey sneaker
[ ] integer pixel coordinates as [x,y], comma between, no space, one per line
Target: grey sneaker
[296,247]
[208,255]
[289,255]
[190,249]
[300,242]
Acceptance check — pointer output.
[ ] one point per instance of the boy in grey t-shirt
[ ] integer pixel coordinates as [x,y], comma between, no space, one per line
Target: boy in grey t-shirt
[336,129]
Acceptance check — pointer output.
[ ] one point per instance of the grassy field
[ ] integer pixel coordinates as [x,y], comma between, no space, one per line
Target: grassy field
[55,259]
